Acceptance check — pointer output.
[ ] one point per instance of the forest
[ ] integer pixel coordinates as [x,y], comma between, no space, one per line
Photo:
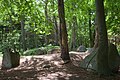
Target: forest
[59,40]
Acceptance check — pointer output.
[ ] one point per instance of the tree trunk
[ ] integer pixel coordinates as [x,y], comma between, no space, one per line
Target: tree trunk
[55,30]
[96,41]
[102,56]
[55,23]
[2,36]
[46,13]
[35,38]
[23,35]
[90,31]
[73,38]
[63,31]
[46,21]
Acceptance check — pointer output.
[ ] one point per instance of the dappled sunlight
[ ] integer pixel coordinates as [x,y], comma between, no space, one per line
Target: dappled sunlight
[82,55]
[49,67]
[52,57]
[57,63]
[57,76]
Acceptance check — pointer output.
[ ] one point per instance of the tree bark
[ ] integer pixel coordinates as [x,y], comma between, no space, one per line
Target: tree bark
[23,35]
[73,38]
[46,13]
[90,31]
[46,21]
[55,30]
[102,56]
[35,37]
[96,41]
[63,31]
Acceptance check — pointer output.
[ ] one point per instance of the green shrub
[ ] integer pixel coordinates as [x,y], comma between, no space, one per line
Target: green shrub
[39,51]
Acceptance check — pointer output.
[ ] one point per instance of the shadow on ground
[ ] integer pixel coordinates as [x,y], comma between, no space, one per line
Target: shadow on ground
[49,67]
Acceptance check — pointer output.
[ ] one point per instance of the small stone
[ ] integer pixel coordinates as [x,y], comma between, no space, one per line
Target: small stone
[81,48]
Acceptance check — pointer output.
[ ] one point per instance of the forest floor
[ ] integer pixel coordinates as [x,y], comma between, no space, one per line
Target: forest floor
[49,67]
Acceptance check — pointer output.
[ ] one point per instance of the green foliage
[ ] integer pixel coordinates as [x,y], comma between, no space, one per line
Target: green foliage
[33,13]
[80,9]
[112,16]
[32,52]
[50,47]
[3,47]
[11,41]
[40,51]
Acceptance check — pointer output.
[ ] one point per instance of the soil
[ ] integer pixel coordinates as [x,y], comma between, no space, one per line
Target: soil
[50,67]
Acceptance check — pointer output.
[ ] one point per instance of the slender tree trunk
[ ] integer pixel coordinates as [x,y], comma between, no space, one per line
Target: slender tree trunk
[96,41]
[56,36]
[73,28]
[46,13]
[23,35]
[84,39]
[73,38]
[11,22]
[55,30]
[90,31]
[2,36]
[63,31]
[102,57]
[35,38]
[46,20]
[11,29]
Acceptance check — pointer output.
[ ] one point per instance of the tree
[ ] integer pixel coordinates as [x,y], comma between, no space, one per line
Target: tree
[23,41]
[90,30]
[102,56]
[63,31]
[55,23]
[73,34]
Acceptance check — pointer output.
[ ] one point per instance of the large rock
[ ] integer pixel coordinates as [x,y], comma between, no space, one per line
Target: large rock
[10,59]
[90,62]
[89,50]
[81,48]
[113,58]
[6,61]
